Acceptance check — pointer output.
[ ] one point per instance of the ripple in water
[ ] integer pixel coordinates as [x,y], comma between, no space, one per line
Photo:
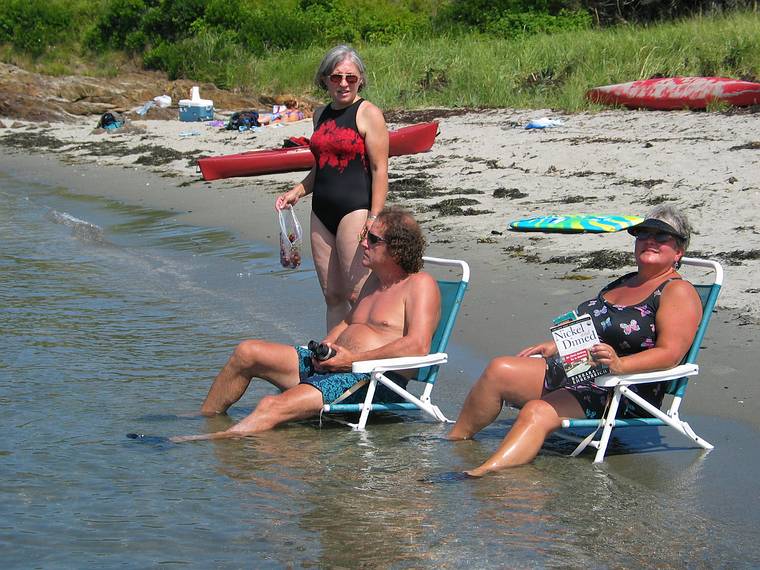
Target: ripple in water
[80,229]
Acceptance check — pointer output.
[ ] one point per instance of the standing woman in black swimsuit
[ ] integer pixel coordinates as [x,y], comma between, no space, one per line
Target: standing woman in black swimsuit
[645,320]
[349,179]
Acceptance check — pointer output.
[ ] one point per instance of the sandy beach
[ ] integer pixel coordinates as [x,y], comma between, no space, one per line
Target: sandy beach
[484,170]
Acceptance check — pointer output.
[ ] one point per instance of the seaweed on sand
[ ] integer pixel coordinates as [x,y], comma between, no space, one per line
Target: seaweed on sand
[33,141]
[574,199]
[416,186]
[600,259]
[425,115]
[453,207]
[153,155]
[649,184]
[737,256]
[511,193]
[518,252]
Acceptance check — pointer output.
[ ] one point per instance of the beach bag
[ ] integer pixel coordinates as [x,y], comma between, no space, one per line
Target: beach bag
[243,120]
[109,121]
[290,238]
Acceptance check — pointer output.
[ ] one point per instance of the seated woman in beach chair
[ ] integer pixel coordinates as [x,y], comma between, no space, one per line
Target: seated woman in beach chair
[646,321]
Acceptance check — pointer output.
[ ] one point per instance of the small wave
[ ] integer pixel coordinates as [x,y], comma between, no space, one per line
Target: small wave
[80,229]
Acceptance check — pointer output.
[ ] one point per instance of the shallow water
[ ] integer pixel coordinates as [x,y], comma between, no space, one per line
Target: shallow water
[114,319]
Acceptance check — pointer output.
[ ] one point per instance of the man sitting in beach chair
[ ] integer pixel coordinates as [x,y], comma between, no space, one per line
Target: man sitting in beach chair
[395,315]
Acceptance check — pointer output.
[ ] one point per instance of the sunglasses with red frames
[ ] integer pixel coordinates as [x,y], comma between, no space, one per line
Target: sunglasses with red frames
[350,78]
[373,239]
[659,237]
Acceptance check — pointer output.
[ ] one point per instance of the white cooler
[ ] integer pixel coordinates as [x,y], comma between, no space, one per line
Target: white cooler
[195,108]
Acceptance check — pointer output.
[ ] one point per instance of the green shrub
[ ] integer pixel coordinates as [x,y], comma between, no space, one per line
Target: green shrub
[226,14]
[611,12]
[512,25]
[272,28]
[32,26]
[333,19]
[117,21]
[172,20]
[512,18]
[135,42]
[319,22]
[164,57]
[209,57]
[377,23]
[134,24]
[478,14]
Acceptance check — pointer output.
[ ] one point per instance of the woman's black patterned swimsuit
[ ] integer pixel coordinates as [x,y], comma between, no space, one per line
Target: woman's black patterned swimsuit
[343,180]
[628,330]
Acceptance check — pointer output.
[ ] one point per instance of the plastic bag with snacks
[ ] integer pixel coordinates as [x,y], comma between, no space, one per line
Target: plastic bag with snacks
[290,238]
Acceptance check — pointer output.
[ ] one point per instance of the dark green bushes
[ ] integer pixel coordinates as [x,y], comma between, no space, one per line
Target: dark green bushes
[166,31]
[510,16]
[33,26]
[118,26]
[134,25]
[207,56]
[173,20]
[378,21]
[511,25]
[513,18]
[259,26]
[297,24]
[608,12]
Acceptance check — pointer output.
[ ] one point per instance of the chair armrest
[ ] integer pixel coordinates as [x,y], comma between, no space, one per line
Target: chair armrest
[611,380]
[399,363]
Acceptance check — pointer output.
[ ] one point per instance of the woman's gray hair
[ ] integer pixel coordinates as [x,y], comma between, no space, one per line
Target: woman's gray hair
[331,60]
[677,219]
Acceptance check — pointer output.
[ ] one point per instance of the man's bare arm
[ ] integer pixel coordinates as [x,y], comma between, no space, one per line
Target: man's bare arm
[336,331]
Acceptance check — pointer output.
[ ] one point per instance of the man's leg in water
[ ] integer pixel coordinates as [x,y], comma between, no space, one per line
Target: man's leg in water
[274,362]
[297,403]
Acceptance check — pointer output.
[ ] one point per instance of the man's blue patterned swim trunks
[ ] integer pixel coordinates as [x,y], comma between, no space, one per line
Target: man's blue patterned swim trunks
[334,384]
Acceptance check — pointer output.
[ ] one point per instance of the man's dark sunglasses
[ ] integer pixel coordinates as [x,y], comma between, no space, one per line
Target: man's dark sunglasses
[372,239]
[659,237]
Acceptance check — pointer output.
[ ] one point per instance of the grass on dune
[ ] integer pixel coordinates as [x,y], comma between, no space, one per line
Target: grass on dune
[540,71]
[546,71]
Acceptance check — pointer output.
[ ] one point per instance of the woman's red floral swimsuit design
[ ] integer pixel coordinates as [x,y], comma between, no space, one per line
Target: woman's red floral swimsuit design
[339,146]
[342,177]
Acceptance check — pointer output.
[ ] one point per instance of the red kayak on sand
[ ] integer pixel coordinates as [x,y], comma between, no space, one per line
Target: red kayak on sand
[406,140]
[668,93]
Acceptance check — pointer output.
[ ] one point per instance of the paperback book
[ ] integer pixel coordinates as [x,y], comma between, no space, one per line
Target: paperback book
[574,339]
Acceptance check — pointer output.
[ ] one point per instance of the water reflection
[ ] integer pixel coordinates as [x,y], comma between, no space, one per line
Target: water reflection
[364,499]
[348,489]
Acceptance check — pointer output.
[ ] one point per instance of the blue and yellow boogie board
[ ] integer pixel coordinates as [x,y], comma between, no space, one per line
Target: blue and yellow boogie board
[575,223]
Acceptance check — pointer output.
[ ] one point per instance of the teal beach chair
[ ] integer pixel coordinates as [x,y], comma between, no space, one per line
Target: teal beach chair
[452,293]
[677,377]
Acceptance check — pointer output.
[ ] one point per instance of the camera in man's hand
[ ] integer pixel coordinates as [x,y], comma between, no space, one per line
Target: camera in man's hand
[320,351]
